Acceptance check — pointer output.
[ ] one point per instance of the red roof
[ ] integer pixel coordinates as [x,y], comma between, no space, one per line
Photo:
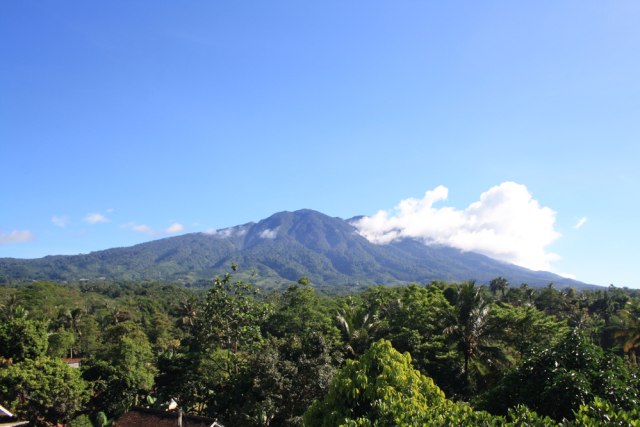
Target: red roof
[144,417]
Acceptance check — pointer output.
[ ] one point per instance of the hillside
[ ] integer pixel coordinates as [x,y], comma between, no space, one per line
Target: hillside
[276,251]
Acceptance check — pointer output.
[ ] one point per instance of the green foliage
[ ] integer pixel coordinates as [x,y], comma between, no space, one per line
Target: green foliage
[22,339]
[44,391]
[256,361]
[499,284]
[358,325]
[102,420]
[601,412]
[469,329]
[556,381]
[232,316]
[381,389]
[524,327]
[61,343]
[124,371]
[81,421]
[627,330]
[413,319]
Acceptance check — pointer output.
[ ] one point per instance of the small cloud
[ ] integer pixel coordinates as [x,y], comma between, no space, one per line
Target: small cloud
[568,276]
[60,221]
[227,232]
[94,218]
[582,221]
[140,228]
[16,236]
[143,228]
[269,233]
[111,210]
[174,228]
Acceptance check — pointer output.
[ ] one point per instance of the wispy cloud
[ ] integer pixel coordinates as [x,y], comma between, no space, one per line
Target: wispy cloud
[140,228]
[95,218]
[582,221]
[506,223]
[227,232]
[174,228]
[269,233]
[16,236]
[60,221]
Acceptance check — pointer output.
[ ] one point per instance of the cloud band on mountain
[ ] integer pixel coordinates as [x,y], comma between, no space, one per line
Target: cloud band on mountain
[506,223]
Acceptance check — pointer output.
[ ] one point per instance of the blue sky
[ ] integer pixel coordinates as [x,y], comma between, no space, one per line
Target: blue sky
[166,118]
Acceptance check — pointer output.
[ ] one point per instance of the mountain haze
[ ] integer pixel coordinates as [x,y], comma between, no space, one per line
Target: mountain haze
[276,251]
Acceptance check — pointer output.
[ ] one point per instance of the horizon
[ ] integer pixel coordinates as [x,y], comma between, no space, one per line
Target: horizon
[508,130]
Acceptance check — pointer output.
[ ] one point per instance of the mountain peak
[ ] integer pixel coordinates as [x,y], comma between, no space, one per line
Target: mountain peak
[284,246]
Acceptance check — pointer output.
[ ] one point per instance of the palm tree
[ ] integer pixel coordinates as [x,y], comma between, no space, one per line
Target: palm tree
[628,330]
[358,327]
[11,309]
[499,284]
[468,328]
[188,313]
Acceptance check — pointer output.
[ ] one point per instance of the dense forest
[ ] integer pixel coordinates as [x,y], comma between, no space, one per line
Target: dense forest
[423,354]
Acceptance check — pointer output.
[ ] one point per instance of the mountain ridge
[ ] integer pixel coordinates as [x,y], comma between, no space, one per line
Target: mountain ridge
[278,250]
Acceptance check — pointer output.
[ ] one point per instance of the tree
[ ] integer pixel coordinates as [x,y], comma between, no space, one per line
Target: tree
[499,284]
[45,391]
[525,326]
[414,319]
[381,389]
[231,317]
[123,371]
[283,379]
[627,330]
[358,326]
[468,328]
[22,339]
[556,381]
[226,329]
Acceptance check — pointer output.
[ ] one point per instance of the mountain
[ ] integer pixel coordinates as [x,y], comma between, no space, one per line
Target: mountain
[279,250]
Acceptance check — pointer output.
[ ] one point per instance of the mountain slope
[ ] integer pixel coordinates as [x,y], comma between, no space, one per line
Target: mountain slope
[278,250]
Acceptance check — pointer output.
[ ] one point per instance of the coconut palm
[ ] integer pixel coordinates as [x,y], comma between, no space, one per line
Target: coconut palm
[627,331]
[499,284]
[468,328]
[358,327]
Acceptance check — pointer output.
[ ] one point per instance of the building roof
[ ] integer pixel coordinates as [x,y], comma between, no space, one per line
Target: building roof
[6,423]
[145,417]
[7,419]
[4,412]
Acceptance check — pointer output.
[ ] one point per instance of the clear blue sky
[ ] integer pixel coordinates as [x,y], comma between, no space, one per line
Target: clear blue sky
[204,115]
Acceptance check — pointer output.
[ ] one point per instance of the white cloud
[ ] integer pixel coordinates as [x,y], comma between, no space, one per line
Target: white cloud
[94,218]
[269,233]
[582,221]
[145,229]
[140,228]
[506,224]
[174,228]
[227,232]
[60,221]
[16,236]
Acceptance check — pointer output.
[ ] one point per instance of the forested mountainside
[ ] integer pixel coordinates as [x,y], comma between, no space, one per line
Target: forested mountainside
[277,251]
